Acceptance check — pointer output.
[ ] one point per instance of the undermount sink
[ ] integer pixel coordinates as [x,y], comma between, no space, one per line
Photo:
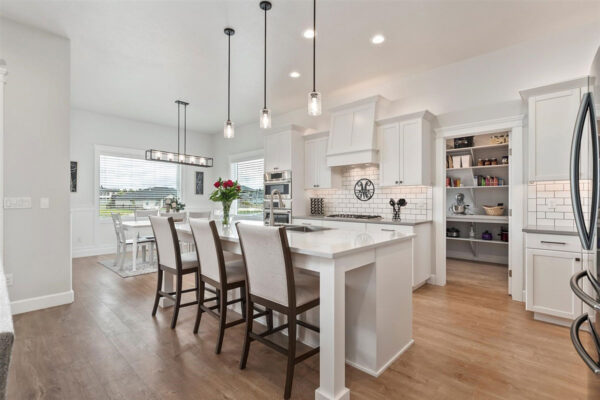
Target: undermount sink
[305,228]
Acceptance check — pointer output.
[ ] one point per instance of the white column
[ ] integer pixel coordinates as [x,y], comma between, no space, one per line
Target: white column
[332,357]
[3,73]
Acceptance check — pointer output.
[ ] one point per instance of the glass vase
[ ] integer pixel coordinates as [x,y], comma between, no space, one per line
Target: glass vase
[226,209]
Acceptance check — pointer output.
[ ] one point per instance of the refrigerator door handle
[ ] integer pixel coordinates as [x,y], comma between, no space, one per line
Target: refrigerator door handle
[586,298]
[585,356]
[586,235]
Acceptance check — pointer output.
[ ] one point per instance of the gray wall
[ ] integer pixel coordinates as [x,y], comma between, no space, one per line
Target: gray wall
[36,164]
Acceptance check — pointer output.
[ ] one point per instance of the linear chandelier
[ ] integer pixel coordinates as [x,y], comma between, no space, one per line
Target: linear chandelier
[178,157]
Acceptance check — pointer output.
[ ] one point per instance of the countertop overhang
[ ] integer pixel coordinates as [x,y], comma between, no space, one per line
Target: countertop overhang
[386,221]
[550,230]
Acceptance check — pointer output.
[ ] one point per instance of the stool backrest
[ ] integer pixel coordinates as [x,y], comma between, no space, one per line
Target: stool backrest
[268,263]
[209,249]
[167,243]
[142,215]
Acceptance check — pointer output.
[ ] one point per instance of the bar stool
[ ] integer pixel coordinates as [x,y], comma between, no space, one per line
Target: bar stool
[224,273]
[271,282]
[171,260]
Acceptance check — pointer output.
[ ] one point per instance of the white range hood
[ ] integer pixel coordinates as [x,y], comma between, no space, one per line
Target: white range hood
[352,138]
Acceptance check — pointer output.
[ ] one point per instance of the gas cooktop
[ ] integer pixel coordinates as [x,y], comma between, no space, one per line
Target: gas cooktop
[354,216]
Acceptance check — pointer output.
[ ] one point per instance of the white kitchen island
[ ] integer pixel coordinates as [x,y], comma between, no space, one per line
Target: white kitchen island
[365,312]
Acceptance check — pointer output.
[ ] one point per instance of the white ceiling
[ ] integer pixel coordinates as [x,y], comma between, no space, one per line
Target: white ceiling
[134,58]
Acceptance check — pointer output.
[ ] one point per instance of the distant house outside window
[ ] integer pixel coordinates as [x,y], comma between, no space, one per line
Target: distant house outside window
[129,184]
[249,174]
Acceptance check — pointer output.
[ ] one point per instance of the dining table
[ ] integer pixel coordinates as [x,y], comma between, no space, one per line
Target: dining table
[366,276]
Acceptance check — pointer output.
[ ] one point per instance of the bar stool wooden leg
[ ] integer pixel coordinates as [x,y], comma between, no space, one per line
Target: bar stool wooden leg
[246,348]
[222,319]
[200,303]
[158,288]
[177,300]
[243,296]
[291,361]
[269,320]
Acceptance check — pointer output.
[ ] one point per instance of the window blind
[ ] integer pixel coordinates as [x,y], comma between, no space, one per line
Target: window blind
[129,184]
[249,175]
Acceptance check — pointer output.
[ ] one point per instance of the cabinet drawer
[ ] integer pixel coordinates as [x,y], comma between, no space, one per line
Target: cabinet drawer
[553,242]
[387,228]
[308,222]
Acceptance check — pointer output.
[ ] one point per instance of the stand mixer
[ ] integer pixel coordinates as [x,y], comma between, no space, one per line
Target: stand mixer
[459,207]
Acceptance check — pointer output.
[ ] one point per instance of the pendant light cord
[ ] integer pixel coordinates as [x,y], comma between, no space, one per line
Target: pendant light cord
[178,125]
[228,75]
[265,78]
[185,129]
[314,44]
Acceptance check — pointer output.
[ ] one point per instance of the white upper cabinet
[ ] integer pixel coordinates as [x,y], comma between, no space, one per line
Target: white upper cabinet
[352,135]
[552,111]
[278,151]
[405,147]
[316,172]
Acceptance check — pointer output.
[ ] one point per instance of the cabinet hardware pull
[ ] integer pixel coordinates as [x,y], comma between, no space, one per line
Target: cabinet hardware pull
[550,242]
[577,259]
[400,181]
[387,230]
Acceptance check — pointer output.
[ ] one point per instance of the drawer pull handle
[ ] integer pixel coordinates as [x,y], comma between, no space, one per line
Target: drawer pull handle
[577,259]
[550,242]
[306,223]
[388,230]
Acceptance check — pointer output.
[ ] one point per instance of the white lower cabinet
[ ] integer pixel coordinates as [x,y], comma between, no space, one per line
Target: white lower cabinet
[548,273]
[422,255]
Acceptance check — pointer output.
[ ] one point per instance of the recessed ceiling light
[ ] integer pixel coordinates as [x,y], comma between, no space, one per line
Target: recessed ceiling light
[309,34]
[377,39]
[294,74]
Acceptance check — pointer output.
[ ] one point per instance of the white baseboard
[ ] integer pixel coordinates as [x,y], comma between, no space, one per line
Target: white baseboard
[88,251]
[38,303]
[385,366]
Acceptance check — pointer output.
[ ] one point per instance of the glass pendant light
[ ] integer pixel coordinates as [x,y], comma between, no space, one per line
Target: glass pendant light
[228,129]
[314,97]
[265,113]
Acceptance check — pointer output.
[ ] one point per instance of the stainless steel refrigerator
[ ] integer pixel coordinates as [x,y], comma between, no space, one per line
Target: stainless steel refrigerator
[586,283]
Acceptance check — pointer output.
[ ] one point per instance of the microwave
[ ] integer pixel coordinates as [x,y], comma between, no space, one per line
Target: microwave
[281,181]
[280,216]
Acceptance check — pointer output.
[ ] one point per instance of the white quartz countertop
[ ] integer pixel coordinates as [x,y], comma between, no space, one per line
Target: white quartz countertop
[387,221]
[329,243]
[551,230]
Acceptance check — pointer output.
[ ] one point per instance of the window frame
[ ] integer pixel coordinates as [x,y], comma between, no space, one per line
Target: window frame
[125,152]
[241,157]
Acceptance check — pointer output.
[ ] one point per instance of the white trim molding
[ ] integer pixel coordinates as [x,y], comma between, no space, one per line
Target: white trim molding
[481,127]
[41,302]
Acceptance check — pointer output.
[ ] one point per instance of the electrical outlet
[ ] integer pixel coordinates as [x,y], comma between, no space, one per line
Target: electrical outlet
[9,279]
[17,202]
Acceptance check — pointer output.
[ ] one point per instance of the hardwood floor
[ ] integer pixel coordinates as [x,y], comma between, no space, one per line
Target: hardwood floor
[471,342]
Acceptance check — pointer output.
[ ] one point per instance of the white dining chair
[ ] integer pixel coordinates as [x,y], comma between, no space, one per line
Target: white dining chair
[200,214]
[142,215]
[123,242]
[178,217]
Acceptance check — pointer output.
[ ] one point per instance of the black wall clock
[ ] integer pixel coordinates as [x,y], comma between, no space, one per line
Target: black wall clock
[364,189]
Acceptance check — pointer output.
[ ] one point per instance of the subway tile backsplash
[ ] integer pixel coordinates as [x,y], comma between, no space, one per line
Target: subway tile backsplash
[343,201]
[549,203]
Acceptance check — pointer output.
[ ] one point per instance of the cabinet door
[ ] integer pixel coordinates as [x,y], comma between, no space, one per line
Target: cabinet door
[310,172]
[278,152]
[284,143]
[271,153]
[389,155]
[323,172]
[551,122]
[410,153]
[548,274]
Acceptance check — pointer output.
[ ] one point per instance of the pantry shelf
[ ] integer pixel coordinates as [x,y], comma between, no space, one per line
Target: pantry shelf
[477,187]
[484,167]
[486,147]
[489,219]
[477,240]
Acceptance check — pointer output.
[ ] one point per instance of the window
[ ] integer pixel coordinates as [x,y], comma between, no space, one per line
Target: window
[129,184]
[249,175]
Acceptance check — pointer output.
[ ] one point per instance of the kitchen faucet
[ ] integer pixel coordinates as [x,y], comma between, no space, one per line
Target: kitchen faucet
[271,217]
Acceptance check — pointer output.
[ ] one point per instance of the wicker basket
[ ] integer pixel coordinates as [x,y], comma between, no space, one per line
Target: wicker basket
[494,210]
